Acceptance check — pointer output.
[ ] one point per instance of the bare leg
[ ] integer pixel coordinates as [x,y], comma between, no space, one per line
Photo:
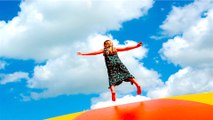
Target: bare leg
[112,89]
[137,85]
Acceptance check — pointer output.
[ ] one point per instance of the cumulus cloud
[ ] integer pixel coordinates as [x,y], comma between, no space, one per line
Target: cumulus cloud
[190,48]
[72,74]
[55,32]
[13,77]
[194,46]
[186,81]
[181,19]
[45,31]
[105,100]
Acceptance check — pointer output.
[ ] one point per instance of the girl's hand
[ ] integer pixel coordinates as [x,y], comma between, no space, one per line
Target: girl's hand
[79,53]
[139,44]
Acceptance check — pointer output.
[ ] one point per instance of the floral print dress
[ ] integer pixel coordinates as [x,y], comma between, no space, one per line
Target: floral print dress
[117,71]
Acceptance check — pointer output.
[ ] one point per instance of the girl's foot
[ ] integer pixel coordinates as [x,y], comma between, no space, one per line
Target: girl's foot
[113,97]
[139,90]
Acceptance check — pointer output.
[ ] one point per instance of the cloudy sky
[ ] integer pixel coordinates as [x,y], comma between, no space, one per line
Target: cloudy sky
[41,76]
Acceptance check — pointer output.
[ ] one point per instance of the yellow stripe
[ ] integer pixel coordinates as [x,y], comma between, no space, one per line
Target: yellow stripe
[206,98]
[67,117]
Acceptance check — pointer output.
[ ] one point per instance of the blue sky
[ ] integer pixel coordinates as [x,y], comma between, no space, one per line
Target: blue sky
[41,76]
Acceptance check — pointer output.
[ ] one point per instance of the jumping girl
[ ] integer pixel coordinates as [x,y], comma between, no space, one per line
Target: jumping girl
[117,71]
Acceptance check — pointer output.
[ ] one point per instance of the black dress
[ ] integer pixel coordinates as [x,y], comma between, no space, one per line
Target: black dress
[117,71]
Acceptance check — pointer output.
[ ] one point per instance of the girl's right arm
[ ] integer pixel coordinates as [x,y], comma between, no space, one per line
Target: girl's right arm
[91,53]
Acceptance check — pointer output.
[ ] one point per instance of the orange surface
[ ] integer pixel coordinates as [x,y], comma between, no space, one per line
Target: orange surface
[185,107]
[161,109]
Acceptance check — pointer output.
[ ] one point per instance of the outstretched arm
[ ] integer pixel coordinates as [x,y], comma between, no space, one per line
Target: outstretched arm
[129,47]
[91,53]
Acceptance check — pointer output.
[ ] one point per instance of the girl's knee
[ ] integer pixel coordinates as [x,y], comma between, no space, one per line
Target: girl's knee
[112,89]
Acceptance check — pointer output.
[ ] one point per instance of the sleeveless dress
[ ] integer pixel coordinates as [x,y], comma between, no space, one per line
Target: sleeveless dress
[117,71]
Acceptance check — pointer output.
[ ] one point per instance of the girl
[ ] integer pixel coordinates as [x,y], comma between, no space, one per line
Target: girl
[117,71]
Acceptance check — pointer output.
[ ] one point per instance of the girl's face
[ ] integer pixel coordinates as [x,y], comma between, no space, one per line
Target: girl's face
[108,44]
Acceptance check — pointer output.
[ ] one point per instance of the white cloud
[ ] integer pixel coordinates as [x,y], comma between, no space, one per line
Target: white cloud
[181,19]
[105,100]
[185,81]
[47,29]
[3,64]
[56,31]
[13,77]
[72,74]
[191,48]
[194,47]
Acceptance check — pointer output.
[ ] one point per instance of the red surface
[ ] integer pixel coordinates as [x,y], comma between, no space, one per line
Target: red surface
[162,109]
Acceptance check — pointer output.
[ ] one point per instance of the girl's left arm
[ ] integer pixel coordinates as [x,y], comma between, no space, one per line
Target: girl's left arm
[129,47]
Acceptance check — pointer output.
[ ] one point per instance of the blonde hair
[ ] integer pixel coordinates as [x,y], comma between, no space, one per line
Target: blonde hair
[109,51]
